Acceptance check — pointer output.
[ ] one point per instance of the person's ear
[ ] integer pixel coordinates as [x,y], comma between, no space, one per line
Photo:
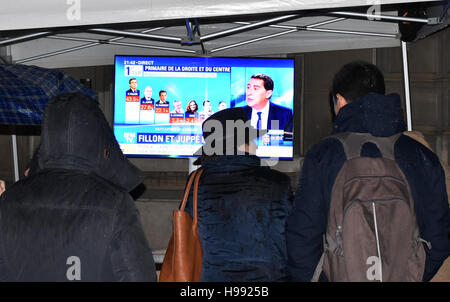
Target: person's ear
[269,94]
[2,187]
[339,102]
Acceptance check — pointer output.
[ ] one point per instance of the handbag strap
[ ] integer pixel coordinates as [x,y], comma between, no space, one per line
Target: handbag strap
[187,189]
[197,180]
[196,174]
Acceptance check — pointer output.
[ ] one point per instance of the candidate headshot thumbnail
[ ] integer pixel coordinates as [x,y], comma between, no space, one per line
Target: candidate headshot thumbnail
[133,85]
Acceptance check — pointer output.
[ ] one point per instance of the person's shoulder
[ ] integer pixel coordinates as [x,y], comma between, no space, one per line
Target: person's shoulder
[407,147]
[327,142]
[327,149]
[281,176]
[273,175]
[81,190]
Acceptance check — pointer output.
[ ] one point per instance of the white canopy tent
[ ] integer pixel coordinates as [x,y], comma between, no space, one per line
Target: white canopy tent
[55,34]
[23,14]
[200,27]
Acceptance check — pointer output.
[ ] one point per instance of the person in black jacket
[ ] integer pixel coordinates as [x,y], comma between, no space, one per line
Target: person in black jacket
[242,205]
[361,106]
[72,218]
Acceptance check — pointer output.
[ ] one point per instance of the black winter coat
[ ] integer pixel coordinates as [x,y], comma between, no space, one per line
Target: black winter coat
[72,218]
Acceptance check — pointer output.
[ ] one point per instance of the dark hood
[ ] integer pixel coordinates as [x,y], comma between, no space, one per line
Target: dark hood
[76,135]
[379,115]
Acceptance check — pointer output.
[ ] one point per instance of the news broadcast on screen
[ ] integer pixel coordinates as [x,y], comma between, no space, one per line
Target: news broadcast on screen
[160,103]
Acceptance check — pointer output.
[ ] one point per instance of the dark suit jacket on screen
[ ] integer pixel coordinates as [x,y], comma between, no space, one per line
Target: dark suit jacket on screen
[276,112]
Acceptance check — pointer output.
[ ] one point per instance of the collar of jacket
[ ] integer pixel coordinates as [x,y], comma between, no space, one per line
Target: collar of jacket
[379,115]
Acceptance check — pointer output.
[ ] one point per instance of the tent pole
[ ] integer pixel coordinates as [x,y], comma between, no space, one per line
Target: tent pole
[406,81]
[192,167]
[15,157]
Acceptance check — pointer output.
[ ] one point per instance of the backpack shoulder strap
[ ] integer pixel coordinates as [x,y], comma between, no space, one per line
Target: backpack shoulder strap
[353,143]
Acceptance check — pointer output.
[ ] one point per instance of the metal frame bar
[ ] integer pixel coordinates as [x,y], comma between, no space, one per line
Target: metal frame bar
[190,31]
[406,83]
[24,38]
[96,41]
[15,157]
[291,29]
[361,33]
[194,35]
[137,35]
[80,47]
[54,53]
[253,40]
[311,27]
[296,27]
[380,17]
[245,27]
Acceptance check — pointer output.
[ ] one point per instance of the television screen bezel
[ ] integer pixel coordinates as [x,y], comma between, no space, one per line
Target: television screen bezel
[206,57]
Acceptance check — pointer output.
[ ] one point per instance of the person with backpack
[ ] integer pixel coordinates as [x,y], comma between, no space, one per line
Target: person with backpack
[371,203]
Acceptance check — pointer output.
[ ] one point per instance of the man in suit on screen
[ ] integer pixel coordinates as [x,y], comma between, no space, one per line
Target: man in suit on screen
[261,110]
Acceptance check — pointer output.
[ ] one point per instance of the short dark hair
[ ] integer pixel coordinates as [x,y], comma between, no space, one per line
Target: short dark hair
[161,91]
[268,82]
[357,79]
[129,82]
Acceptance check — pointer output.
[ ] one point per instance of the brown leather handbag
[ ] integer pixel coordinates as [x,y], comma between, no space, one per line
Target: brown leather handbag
[183,259]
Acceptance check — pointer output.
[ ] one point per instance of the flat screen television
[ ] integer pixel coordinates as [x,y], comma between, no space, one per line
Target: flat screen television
[153,97]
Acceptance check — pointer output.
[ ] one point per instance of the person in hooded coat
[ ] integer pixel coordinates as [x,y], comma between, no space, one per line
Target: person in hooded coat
[242,205]
[361,106]
[72,218]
